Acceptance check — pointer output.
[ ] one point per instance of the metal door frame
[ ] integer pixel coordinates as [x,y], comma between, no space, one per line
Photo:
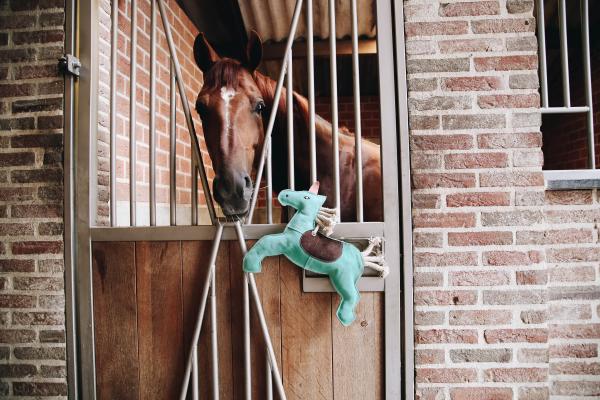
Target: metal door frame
[80,115]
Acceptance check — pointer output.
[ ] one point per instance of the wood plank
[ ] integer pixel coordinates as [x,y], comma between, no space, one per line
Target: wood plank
[357,352]
[195,256]
[306,338]
[115,320]
[160,319]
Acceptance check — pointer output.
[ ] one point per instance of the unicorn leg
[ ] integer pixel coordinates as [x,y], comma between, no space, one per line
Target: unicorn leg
[345,284]
[375,241]
[270,245]
[383,269]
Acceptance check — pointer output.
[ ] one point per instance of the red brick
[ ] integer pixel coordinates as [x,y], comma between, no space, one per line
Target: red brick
[18,90]
[15,229]
[568,197]
[508,25]
[480,317]
[442,142]
[423,122]
[428,279]
[16,159]
[481,238]
[502,258]
[476,160]
[444,180]
[534,316]
[445,259]
[509,101]
[470,45]
[446,336]
[511,218]
[36,211]
[17,370]
[472,83]
[39,389]
[575,368]
[38,283]
[482,199]
[436,28]
[572,274]
[576,388]
[579,350]
[17,301]
[532,355]
[444,220]
[506,63]
[509,140]
[445,297]
[446,375]
[516,375]
[574,254]
[425,161]
[469,9]
[476,121]
[481,393]
[424,318]
[37,247]
[570,311]
[17,266]
[36,176]
[479,278]
[526,335]
[414,66]
[426,201]
[429,357]
[428,239]
[507,297]
[533,277]
[514,178]
[481,355]
[38,318]
[40,353]
[519,6]
[13,336]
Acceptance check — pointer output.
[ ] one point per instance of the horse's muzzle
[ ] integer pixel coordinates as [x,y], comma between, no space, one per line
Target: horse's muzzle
[233,192]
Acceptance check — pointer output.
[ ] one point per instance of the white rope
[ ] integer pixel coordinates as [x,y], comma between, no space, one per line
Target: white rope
[326,220]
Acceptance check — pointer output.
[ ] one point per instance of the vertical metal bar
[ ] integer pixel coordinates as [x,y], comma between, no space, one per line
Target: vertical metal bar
[310,59]
[85,194]
[269,187]
[113,111]
[194,200]
[261,318]
[564,52]
[357,116]
[69,207]
[587,76]
[172,147]
[542,50]
[152,109]
[195,386]
[276,97]
[200,316]
[214,335]
[335,145]
[132,115]
[290,121]
[246,333]
[188,116]
[269,379]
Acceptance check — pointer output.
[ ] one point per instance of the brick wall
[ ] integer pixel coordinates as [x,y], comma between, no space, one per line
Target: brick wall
[480,291]
[184,33]
[32,336]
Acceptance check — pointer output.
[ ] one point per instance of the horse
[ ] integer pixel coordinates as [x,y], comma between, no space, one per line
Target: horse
[234,105]
[304,246]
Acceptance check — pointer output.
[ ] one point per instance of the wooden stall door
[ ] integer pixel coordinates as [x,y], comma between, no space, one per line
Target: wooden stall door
[146,296]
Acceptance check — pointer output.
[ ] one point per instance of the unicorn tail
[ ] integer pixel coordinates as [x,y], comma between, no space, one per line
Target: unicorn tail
[373,257]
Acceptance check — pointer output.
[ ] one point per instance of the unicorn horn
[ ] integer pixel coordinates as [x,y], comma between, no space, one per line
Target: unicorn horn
[314,188]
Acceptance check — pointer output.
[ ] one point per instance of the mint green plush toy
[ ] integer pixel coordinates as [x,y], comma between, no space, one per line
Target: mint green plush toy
[304,246]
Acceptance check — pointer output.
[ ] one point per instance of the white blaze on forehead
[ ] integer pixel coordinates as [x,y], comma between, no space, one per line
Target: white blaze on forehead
[227,94]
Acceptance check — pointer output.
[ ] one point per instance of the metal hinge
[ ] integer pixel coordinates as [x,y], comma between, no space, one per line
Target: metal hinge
[69,64]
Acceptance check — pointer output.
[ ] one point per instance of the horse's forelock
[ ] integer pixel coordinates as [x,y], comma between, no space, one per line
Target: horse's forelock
[225,72]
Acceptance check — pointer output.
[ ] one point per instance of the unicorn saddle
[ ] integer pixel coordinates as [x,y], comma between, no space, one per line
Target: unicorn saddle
[321,247]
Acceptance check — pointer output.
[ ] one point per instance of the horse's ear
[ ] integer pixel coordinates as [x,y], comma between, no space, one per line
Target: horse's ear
[204,54]
[314,188]
[253,51]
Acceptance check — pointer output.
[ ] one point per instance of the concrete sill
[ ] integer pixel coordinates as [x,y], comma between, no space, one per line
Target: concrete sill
[575,179]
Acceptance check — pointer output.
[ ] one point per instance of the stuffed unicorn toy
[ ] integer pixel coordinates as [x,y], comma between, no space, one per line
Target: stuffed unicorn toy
[304,245]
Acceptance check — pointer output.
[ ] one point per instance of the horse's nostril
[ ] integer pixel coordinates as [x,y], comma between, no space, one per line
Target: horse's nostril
[248,181]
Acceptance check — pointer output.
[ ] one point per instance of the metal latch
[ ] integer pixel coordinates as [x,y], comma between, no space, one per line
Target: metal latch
[69,64]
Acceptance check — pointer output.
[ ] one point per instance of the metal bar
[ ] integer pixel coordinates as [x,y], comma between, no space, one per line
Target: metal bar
[357,116]
[69,207]
[132,116]
[269,187]
[85,193]
[335,142]
[246,334]
[268,378]
[214,335]
[172,147]
[310,60]
[261,317]
[346,230]
[564,52]
[194,200]
[398,313]
[188,116]
[290,122]
[587,76]
[113,110]
[542,50]
[152,112]
[277,96]
[195,386]
[200,315]
[564,110]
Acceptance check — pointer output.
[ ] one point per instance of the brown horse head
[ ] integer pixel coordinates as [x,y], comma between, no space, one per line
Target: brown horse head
[231,105]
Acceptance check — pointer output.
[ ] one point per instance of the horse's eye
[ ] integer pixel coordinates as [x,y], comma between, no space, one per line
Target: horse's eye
[307,197]
[260,107]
